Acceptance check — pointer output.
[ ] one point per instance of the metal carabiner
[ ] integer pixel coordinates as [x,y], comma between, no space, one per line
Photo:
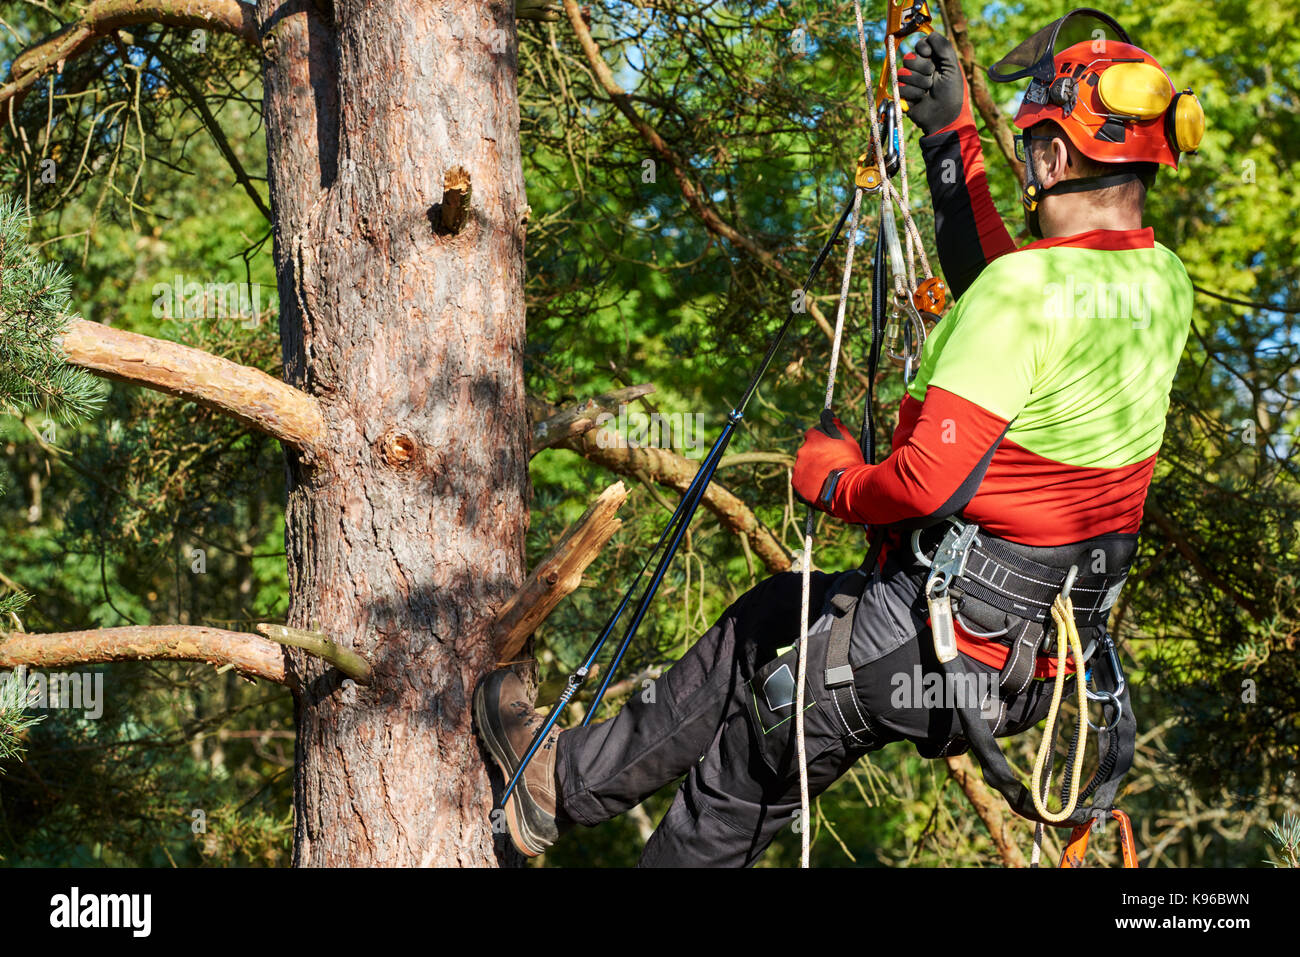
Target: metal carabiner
[1105,696]
[1109,696]
[891,145]
[899,343]
[916,539]
[967,536]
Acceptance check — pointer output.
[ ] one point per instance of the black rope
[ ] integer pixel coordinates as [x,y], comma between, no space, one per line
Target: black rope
[868,437]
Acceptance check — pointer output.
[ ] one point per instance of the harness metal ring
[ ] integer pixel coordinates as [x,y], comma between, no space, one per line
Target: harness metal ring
[1119,710]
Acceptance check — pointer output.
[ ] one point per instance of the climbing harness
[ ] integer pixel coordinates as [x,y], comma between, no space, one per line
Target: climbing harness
[995,580]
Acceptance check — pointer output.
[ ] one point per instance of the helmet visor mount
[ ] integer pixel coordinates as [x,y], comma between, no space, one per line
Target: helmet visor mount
[1035,57]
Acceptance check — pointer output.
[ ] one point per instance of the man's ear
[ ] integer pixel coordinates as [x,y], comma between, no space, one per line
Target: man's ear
[1057,160]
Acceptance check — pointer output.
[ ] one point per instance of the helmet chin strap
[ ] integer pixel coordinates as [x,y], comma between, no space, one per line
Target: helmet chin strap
[1033,194]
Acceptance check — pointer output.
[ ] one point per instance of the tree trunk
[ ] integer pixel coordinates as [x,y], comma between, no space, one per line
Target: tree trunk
[401,309]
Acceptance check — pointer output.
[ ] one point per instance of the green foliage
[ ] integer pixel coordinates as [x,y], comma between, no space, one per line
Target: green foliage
[14,719]
[1286,834]
[34,376]
[101,525]
[34,310]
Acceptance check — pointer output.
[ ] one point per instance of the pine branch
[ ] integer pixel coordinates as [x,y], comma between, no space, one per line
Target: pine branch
[250,655]
[249,395]
[34,312]
[102,17]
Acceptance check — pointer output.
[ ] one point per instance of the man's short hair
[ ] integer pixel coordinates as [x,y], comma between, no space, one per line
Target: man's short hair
[1113,196]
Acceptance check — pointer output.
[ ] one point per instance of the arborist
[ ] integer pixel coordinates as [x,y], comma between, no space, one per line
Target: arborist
[1020,462]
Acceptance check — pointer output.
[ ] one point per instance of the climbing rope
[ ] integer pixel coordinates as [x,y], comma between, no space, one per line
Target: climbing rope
[669,539]
[903,269]
[916,295]
[1067,639]
[840,309]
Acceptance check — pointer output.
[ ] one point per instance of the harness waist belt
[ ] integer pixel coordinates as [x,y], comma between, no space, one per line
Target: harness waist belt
[999,575]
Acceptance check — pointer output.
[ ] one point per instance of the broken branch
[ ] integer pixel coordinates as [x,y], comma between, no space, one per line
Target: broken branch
[559,573]
[666,467]
[553,427]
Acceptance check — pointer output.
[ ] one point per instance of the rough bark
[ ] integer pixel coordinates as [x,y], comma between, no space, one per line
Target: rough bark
[250,655]
[408,534]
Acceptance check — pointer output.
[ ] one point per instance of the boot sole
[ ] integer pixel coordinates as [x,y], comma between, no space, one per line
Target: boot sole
[525,838]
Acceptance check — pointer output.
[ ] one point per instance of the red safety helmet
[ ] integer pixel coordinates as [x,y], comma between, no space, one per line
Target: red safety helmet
[1113,100]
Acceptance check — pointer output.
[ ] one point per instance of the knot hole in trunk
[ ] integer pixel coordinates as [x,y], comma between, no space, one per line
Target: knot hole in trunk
[398,450]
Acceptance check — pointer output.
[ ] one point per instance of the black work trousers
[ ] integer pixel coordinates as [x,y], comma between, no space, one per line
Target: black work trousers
[708,718]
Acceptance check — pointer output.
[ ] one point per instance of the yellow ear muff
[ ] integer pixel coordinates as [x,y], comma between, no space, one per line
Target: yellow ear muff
[1185,122]
[1134,89]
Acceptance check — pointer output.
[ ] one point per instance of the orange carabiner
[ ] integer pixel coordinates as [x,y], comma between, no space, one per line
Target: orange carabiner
[1077,846]
[904,18]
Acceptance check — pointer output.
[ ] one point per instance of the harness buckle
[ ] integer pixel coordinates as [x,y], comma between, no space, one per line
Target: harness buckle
[949,560]
[947,565]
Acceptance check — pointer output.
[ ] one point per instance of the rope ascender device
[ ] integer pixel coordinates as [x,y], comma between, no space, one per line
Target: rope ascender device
[906,300]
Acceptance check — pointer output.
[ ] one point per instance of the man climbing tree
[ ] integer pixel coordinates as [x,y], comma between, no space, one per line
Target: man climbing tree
[1025,445]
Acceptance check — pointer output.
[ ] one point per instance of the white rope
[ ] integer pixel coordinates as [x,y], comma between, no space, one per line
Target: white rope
[904,280]
[800,696]
[915,245]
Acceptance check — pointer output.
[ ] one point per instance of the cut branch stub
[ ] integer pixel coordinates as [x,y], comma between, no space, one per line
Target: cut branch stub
[344,659]
[453,211]
[559,573]
[552,427]
[398,450]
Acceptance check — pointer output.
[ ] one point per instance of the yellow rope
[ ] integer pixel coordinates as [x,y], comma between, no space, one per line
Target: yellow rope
[1066,635]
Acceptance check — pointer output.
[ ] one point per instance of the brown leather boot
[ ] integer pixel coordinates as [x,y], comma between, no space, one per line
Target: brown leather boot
[506,724]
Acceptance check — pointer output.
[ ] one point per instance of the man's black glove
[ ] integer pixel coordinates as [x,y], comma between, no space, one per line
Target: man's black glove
[931,83]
